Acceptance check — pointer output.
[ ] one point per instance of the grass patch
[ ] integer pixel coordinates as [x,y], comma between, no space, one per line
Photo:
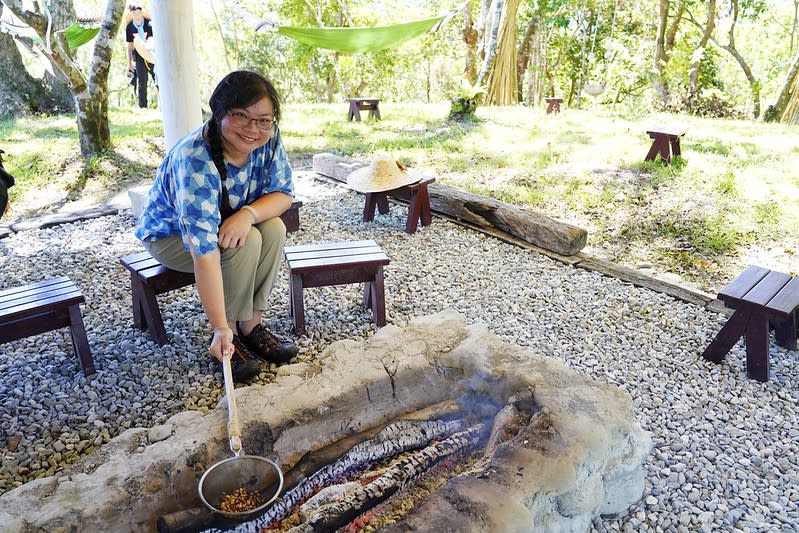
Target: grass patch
[726,184]
[712,146]
[698,216]
[768,213]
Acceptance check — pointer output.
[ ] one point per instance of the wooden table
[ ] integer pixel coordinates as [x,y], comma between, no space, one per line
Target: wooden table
[759,296]
[362,104]
[418,203]
[666,142]
[553,105]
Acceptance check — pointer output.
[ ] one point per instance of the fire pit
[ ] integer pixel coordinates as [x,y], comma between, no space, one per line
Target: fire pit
[524,443]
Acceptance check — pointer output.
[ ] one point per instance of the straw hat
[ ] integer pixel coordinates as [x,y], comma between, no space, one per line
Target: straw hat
[383,174]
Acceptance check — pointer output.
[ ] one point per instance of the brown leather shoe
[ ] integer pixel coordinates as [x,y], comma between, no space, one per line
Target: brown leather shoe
[243,364]
[268,347]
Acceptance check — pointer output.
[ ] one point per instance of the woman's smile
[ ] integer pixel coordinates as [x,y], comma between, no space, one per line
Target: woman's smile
[240,133]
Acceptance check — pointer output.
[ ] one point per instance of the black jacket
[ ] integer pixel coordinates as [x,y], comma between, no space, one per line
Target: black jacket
[6,181]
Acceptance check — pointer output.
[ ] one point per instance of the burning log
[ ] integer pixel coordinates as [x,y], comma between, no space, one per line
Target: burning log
[201,518]
[336,515]
[327,496]
[316,459]
[397,437]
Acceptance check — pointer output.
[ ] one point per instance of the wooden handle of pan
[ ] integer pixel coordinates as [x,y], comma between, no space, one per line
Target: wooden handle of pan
[233,428]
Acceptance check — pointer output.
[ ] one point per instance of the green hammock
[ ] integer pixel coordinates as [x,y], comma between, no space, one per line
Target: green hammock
[77,35]
[360,39]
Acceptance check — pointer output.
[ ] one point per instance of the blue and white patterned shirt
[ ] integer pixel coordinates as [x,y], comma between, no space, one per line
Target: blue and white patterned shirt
[184,199]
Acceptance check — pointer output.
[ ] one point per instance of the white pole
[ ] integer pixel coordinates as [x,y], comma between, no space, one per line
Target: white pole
[176,68]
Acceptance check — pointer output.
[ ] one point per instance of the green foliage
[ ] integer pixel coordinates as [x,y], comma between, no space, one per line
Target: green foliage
[464,99]
[714,103]
[467,91]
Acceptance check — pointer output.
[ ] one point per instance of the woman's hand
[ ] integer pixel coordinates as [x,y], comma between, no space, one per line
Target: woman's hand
[222,343]
[233,231]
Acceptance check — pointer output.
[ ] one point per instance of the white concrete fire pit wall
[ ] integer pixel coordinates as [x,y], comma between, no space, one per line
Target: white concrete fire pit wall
[583,460]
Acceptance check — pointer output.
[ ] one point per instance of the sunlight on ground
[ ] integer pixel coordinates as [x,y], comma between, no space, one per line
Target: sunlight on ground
[727,202]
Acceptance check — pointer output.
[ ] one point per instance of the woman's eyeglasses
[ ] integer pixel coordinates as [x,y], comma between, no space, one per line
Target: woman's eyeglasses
[243,120]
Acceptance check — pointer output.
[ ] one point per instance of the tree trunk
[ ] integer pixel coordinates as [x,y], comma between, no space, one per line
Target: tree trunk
[315,84]
[525,53]
[482,35]
[696,58]
[21,93]
[502,81]
[331,86]
[776,111]
[793,24]
[659,66]
[90,93]
[664,44]
[470,36]
[493,19]
[754,84]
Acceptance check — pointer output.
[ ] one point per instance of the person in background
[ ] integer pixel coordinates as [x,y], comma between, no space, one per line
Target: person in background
[214,210]
[140,26]
[6,181]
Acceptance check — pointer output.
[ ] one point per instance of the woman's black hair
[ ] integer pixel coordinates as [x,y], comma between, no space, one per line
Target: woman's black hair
[239,89]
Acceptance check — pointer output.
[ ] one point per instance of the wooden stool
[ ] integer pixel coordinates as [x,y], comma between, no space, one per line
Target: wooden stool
[418,203]
[665,137]
[362,104]
[757,295]
[337,263]
[45,306]
[149,278]
[553,105]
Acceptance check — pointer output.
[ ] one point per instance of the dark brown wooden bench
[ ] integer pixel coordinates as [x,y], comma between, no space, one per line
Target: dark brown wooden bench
[337,263]
[149,278]
[45,306]
[759,296]
[553,105]
[666,142]
[418,203]
[362,104]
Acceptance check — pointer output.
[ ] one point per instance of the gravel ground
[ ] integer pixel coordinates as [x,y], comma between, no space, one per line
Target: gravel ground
[725,446]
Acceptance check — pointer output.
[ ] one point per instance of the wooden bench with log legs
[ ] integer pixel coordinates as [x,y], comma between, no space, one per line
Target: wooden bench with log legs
[759,296]
[337,263]
[418,203]
[666,142]
[44,306]
[149,278]
[553,105]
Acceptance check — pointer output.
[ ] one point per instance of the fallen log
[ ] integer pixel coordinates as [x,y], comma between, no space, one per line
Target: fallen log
[480,211]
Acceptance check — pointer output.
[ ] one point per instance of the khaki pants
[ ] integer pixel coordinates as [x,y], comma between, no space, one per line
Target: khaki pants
[248,273]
